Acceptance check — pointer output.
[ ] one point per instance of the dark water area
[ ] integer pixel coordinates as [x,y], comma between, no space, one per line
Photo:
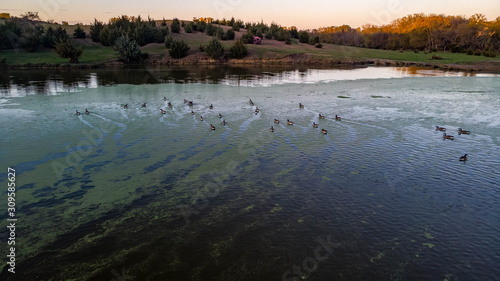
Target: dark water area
[133,193]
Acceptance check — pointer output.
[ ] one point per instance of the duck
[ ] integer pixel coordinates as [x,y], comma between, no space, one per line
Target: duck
[201,118]
[324,131]
[212,127]
[276,121]
[125,106]
[164,98]
[169,105]
[251,102]
[77,113]
[220,116]
[460,131]
[224,122]
[257,110]
[86,111]
[143,105]
[440,129]
[463,158]
[321,116]
[162,111]
[185,100]
[289,122]
[447,137]
[190,103]
[272,129]
[192,112]
[337,118]
[301,105]
[315,125]
[211,107]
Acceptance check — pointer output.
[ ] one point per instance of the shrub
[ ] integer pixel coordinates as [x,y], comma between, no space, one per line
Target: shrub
[470,52]
[435,57]
[188,28]
[79,32]
[211,29]
[201,26]
[215,49]
[303,37]
[230,34]
[32,38]
[95,30]
[175,27]
[236,26]
[288,40]
[319,45]
[238,50]
[66,49]
[128,49]
[168,41]
[178,49]
[202,48]
[268,35]
[489,52]
[220,33]
[247,38]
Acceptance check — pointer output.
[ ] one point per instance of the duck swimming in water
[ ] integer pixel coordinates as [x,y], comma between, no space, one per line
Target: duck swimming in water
[447,137]
[220,116]
[463,158]
[190,103]
[164,98]
[201,118]
[301,105]
[289,122]
[321,116]
[169,105]
[192,112]
[440,129]
[272,129]
[86,111]
[125,106]
[460,131]
[211,107]
[315,125]
[212,127]
[251,102]
[162,111]
[143,105]
[77,113]
[324,131]
[276,121]
[224,122]
[337,118]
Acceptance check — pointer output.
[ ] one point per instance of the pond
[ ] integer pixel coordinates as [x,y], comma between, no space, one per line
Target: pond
[131,192]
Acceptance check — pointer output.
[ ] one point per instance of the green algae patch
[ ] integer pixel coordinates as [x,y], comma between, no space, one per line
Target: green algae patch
[300,220]
[275,209]
[249,208]
[377,257]
[429,245]
[428,235]
[343,97]
[354,172]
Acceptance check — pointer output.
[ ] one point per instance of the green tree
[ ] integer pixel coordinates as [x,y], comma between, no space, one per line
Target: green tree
[31,16]
[230,34]
[178,49]
[247,38]
[168,41]
[175,26]
[238,50]
[32,38]
[95,30]
[128,49]
[214,49]
[79,32]
[303,37]
[66,49]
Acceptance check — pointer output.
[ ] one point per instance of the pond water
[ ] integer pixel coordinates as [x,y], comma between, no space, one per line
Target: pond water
[122,193]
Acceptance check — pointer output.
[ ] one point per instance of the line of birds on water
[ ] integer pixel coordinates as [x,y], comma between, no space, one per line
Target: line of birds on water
[450,137]
[276,121]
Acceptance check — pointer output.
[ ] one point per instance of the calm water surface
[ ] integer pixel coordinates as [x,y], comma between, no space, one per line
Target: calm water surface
[122,193]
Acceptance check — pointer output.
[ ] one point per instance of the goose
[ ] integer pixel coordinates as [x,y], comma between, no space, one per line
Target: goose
[315,125]
[201,118]
[324,131]
[463,158]
[337,118]
[143,105]
[460,131]
[321,116]
[162,111]
[169,105]
[272,129]
[86,111]
[125,106]
[276,121]
[301,105]
[289,122]
[447,137]
[77,113]
[211,107]
[212,127]
[440,129]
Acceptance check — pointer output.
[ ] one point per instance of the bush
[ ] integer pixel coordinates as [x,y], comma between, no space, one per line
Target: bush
[79,32]
[247,38]
[230,34]
[178,49]
[95,30]
[303,37]
[66,49]
[211,29]
[201,26]
[238,50]
[470,52]
[175,27]
[435,57]
[319,45]
[215,49]
[268,35]
[128,49]
[236,26]
[168,41]
[489,52]
[32,38]
[220,33]
[189,28]
[288,40]
[202,48]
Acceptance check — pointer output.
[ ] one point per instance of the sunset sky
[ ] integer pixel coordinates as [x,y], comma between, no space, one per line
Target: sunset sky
[303,14]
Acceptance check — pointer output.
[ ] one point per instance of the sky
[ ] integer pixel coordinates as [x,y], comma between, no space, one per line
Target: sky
[302,14]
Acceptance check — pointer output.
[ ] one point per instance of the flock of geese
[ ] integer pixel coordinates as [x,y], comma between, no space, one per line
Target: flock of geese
[450,137]
[276,121]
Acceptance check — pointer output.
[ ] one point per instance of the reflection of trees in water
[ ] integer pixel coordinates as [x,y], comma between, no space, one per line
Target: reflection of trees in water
[43,81]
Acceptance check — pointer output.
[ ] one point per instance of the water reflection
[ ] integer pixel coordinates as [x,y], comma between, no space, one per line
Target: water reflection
[49,82]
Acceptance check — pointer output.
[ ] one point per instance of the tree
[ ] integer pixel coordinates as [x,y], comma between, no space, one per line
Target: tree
[66,49]
[229,34]
[303,37]
[31,16]
[128,49]
[32,38]
[178,49]
[95,30]
[175,26]
[79,32]
[168,41]
[214,49]
[238,50]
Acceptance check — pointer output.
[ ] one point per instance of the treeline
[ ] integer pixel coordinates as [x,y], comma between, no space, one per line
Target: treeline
[473,35]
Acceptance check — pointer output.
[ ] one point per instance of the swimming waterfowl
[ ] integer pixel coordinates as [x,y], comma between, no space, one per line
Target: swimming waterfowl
[447,137]
[185,100]
[224,122]
[321,116]
[289,122]
[144,105]
[315,125]
[460,131]
[192,112]
[251,102]
[169,105]
[77,113]
[125,106]
[162,111]
[276,121]
[463,158]
[164,98]
[257,110]
[440,129]
[190,103]
[201,118]
[212,127]
[324,131]
[220,116]
[301,105]
[272,129]
[337,118]
[211,106]
[86,111]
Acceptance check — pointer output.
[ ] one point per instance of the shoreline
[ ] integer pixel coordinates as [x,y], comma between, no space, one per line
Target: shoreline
[304,60]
